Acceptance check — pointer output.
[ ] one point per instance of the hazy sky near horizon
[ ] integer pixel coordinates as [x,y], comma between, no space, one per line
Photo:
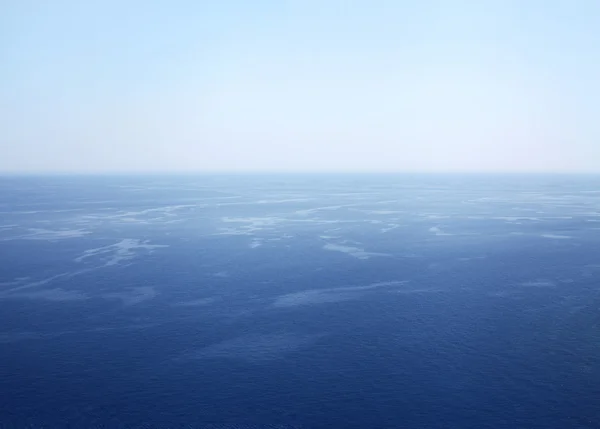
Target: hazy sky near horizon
[373,85]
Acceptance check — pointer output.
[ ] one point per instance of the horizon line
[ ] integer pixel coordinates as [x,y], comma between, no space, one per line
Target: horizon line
[42,173]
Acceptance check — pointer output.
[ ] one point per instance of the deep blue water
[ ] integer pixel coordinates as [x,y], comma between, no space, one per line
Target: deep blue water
[300,301]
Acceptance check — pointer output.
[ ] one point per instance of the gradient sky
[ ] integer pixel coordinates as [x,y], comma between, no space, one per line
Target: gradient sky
[238,85]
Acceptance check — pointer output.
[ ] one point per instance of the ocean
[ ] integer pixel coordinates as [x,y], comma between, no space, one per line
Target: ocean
[300,301]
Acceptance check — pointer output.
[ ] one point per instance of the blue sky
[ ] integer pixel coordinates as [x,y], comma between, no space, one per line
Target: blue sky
[328,85]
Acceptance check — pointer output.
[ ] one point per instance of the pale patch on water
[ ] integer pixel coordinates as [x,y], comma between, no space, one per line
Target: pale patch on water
[249,225]
[506,294]
[557,236]
[254,348]
[330,295]
[538,283]
[436,216]
[17,336]
[311,297]
[471,258]
[124,250]
[25,283]
[352,251]
[47,234]
[133,295]
[257,242]
[196,302]
[221,274]
[285,200]
[438,231]
[317,209]
[58,295]
[389,228]
[416,291]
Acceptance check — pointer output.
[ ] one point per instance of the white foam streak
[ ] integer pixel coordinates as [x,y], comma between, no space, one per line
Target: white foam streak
[353,251]
[122,251]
